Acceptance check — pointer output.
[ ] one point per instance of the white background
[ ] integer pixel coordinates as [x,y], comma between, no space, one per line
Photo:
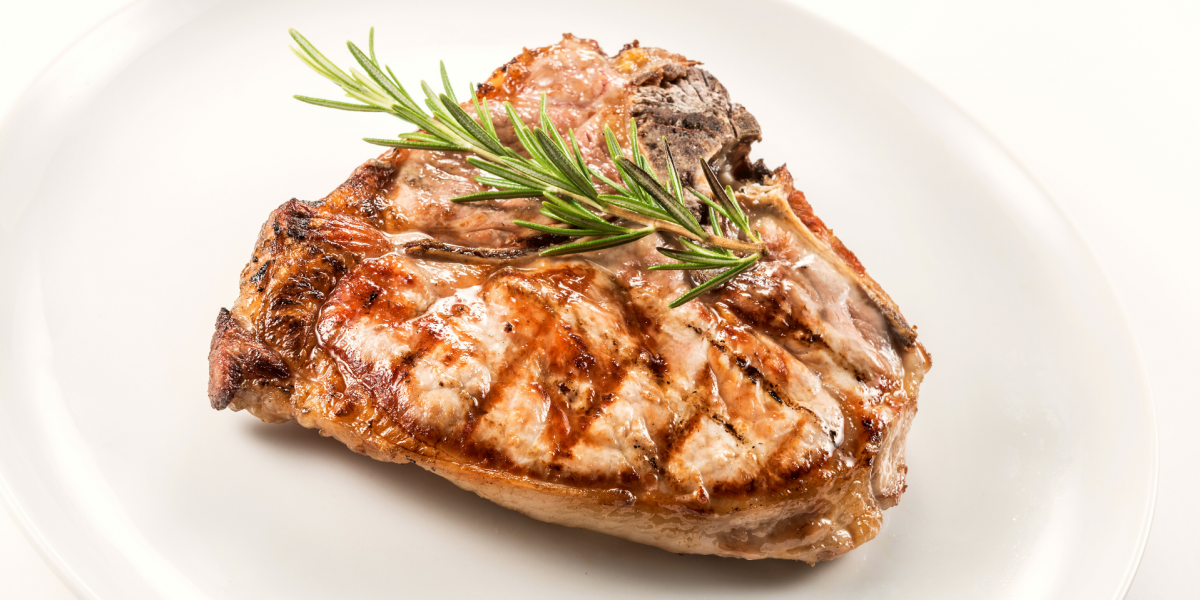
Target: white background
[1100,100]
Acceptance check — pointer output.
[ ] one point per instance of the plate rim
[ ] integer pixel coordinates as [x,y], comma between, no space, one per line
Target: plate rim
[112,26]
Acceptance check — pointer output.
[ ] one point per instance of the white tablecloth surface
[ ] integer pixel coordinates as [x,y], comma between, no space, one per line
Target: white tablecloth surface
[1100,100]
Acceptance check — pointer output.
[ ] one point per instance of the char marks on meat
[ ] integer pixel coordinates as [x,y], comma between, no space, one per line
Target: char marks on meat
[766,419]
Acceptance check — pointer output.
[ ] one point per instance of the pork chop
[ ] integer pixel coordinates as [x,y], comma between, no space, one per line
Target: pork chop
[765,419]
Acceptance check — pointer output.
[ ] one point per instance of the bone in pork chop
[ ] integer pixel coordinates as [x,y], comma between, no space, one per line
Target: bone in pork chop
[765,419]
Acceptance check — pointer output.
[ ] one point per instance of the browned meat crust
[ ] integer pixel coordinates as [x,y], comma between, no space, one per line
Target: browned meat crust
[765,420]
[236,359]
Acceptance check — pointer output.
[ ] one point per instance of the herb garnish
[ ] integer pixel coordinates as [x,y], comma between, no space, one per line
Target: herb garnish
[555,172]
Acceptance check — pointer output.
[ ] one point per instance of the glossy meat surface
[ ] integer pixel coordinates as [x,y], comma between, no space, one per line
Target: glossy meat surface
[766,419]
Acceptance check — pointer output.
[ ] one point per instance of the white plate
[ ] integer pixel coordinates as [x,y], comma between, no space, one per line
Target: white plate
[134,176]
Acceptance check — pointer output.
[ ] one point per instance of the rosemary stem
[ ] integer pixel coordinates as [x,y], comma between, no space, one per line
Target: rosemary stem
[712,240]
[736,245]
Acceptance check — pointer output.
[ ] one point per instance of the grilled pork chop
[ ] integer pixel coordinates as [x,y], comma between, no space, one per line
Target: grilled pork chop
[765,419]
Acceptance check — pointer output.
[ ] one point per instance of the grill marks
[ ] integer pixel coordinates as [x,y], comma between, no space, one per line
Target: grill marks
[734,376]
[301,253]
[770,298]
[765,399]
[555,372]
[831,308]
[563,343]
[543,362]
[371,313]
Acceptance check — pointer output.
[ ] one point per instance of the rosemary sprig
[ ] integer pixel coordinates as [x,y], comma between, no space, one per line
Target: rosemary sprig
[555,171]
